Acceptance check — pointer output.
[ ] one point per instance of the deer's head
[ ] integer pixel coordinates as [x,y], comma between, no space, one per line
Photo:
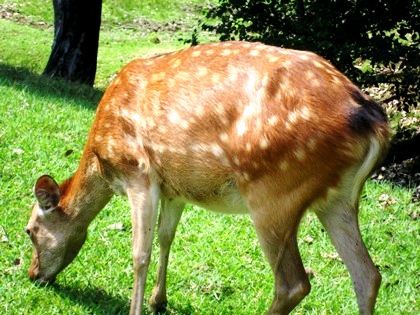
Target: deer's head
[56,240]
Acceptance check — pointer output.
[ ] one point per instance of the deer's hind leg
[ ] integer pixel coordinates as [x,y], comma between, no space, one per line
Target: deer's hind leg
[276,226]
[340,219]
[339,215]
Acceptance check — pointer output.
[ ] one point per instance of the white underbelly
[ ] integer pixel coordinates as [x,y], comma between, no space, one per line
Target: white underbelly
[230,204]
[225,198]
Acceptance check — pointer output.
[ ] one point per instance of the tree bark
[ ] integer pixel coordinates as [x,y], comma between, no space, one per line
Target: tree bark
[76,37]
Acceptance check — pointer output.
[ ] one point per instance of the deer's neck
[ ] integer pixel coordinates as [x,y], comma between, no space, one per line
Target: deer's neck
[86,193]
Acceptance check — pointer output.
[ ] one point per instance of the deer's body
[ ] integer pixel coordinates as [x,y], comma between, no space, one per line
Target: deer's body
[233,127]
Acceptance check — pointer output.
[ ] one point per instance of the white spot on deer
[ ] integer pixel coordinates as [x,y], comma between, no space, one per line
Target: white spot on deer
[184,124]
[255,165]
[292,117]
[156,77]
[254,52]
[150,122]
[305,113]
[110,147]
[303,57]
[337,81]
[273,120]
[183,76]
[220,109]
[162,129]
[236,161]
[202,71]
[99,138]
[226,52]
[316,82]
[224,137]
[273,58]
[171,83]
[160,148]
[264,142]
[248,146]
[309,75]
[213,149]
[116,81]
[241,128]
[149,62]
[210,52]
[264,81]
[199,110]
[131,142]
[258,124]
[176,63]
[233,73]
[311,144]
[216,77]
[284,165]
[174,117]
[318,64]
[225,121]
[137,119]
[217,150]
[300,154]
[196,53]
[287,64]
[246,176]
[130,116]
[253,79]
[250,110]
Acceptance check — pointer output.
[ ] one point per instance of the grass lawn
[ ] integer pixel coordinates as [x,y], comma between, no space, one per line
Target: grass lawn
[216,265]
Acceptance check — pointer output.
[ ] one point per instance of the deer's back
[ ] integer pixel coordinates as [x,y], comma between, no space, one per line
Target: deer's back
[208,120]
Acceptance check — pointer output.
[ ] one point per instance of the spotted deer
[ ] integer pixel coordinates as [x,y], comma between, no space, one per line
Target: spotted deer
[233,127]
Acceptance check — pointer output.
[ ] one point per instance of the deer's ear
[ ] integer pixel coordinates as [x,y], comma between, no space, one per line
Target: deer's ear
[47,192]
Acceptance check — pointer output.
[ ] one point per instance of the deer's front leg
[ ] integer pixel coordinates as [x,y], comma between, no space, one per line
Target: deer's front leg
[170,214]
[144,199]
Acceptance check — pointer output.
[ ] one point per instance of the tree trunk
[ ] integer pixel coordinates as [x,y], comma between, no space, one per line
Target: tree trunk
[76,35]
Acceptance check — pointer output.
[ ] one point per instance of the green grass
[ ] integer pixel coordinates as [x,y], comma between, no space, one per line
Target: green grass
[216,264]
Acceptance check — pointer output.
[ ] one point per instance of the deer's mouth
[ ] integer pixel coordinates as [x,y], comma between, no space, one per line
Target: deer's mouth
[36,275]
[43,280]
[39,277]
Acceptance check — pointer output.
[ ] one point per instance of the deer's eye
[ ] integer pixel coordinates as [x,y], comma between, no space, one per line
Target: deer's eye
[28,231]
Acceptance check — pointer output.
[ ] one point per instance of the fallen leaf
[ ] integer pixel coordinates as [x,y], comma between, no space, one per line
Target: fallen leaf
[308,239]
[384,197]
[3,235]
[115,226]
[414,215]
[333,256]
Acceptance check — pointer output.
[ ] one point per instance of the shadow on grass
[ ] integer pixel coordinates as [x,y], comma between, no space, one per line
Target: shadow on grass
[98,301]
[24,79]
[95,300]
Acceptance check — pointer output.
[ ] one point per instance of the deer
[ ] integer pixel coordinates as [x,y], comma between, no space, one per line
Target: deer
[233,127]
